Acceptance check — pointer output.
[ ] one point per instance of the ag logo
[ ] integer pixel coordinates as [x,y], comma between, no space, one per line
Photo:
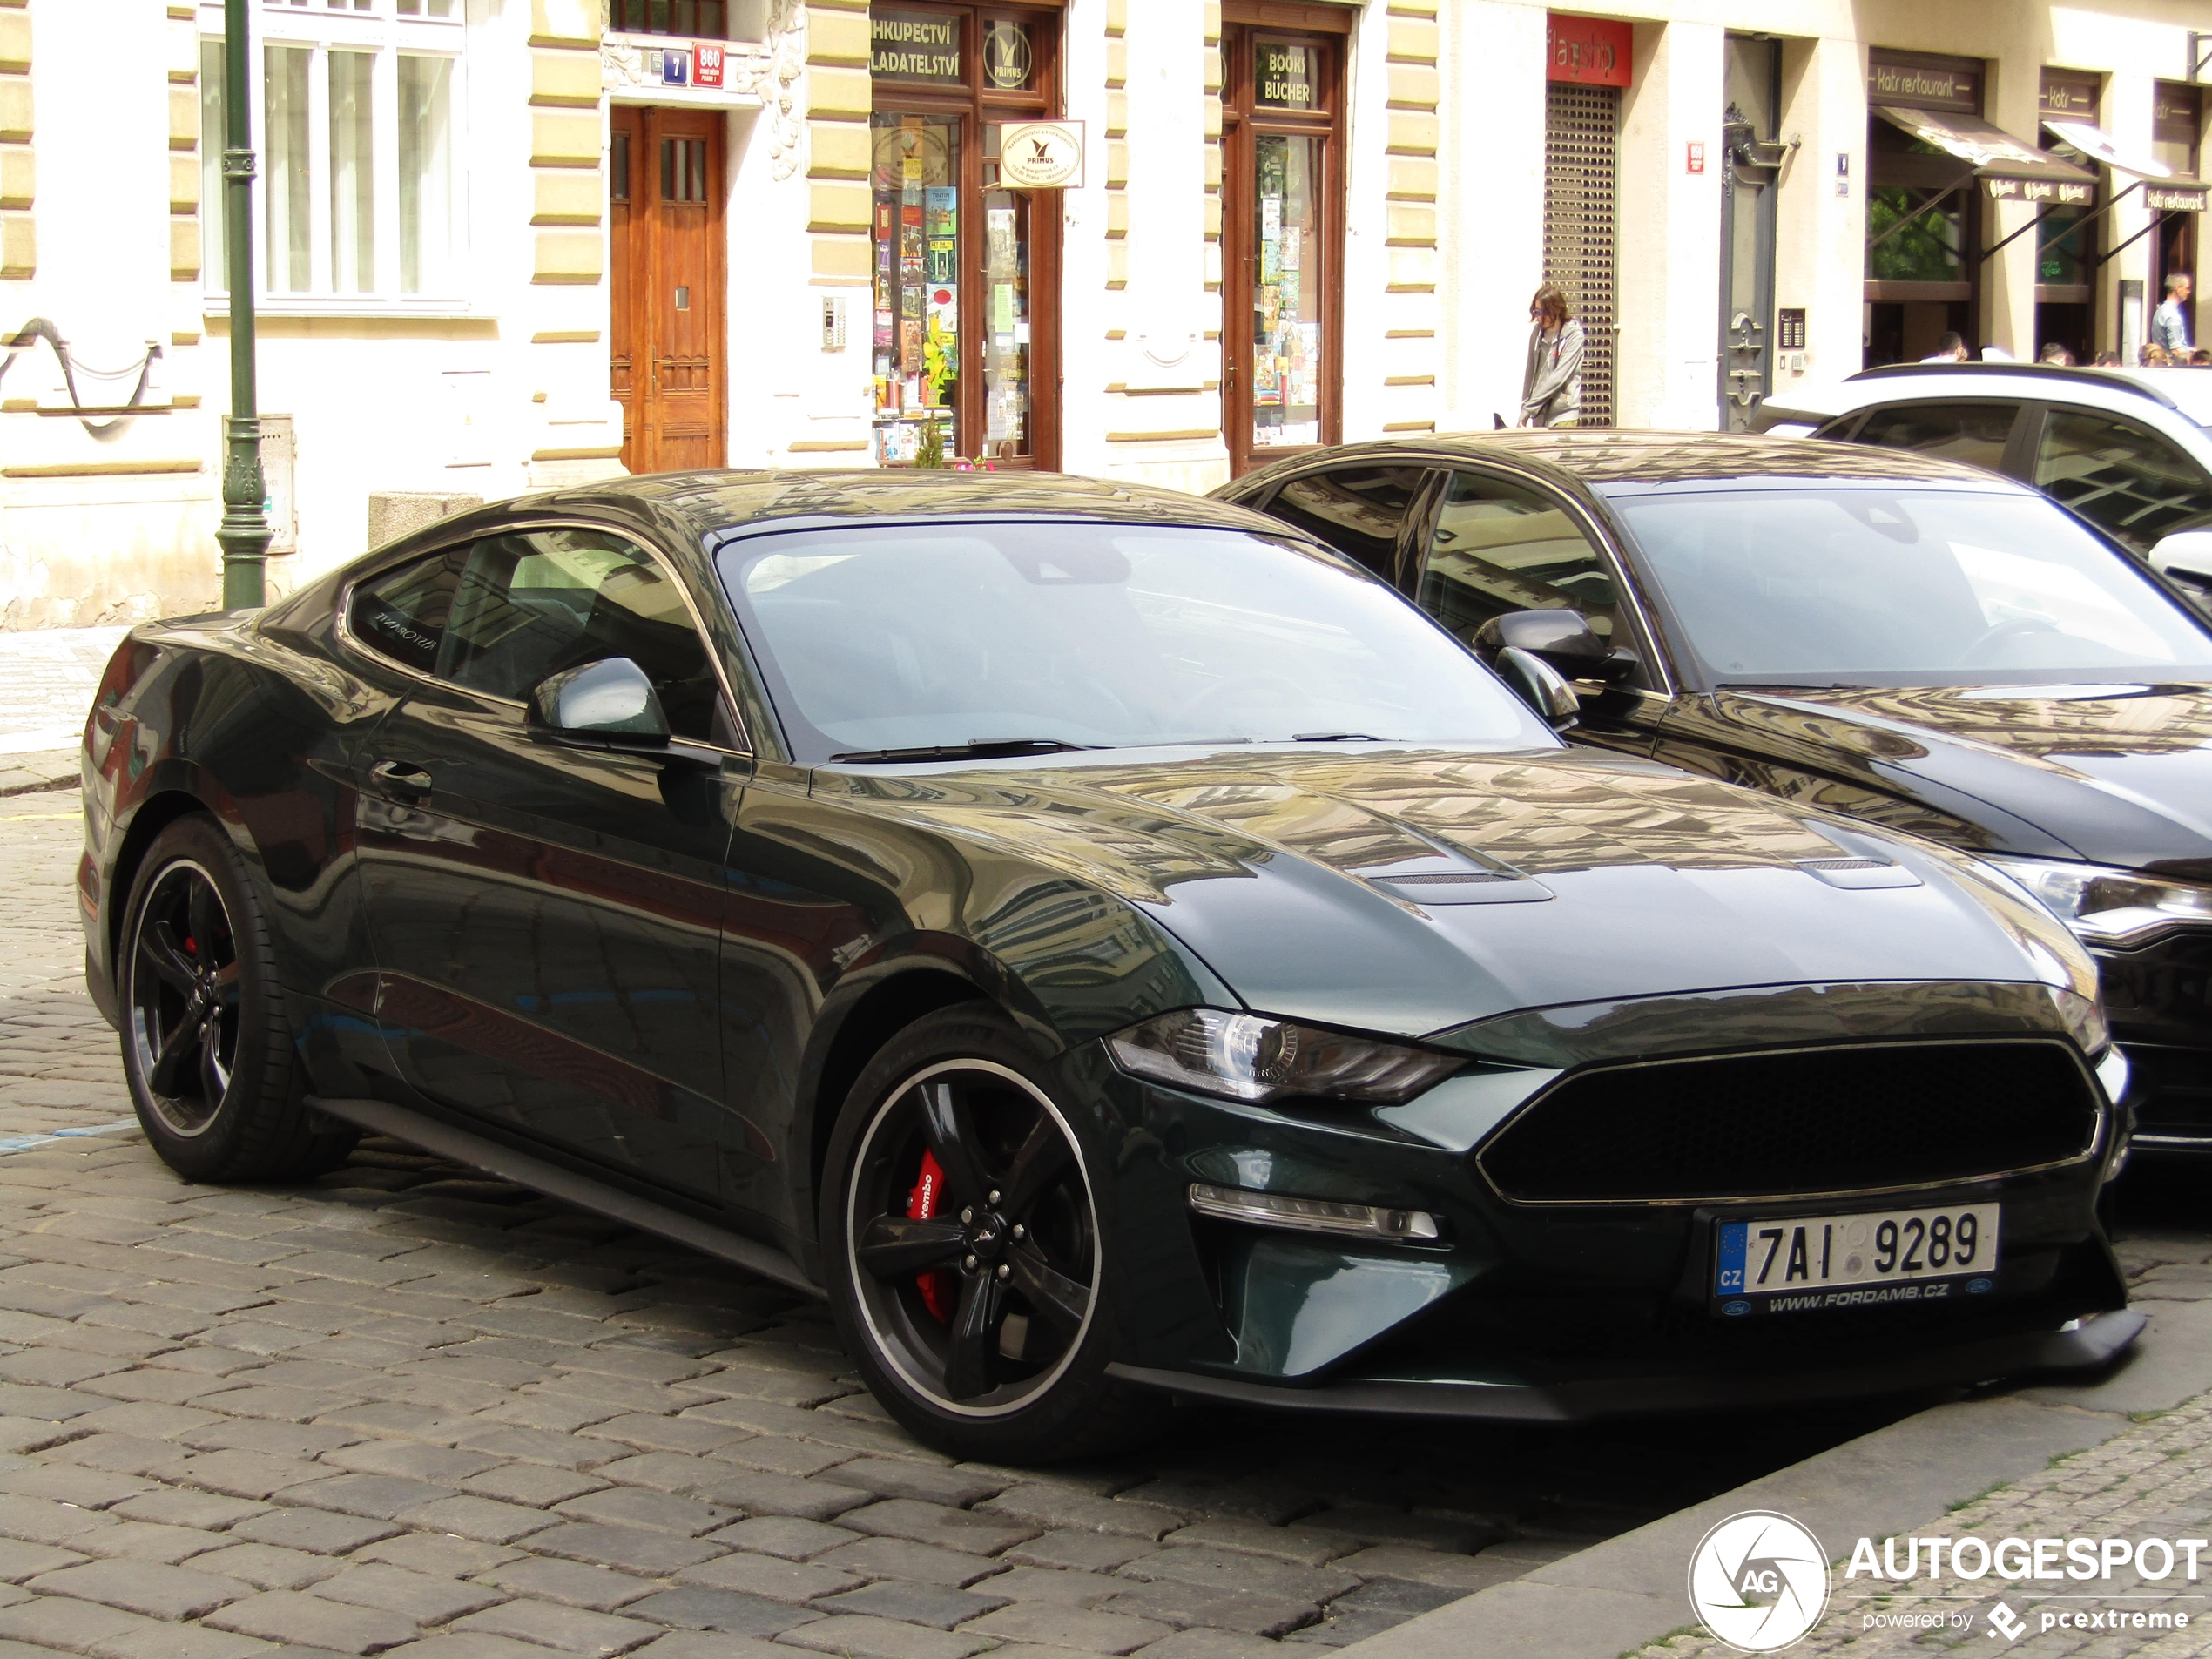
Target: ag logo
[1759,1582]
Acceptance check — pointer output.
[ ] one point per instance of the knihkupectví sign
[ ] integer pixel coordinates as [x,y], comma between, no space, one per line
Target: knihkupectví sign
[1597,51]
[914,46]
[1041,155]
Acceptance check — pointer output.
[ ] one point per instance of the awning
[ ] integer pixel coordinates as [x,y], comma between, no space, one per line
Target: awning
[2100,145]
[2163,191]
[2013,171]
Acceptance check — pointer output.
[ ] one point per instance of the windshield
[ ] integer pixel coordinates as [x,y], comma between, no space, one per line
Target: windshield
[1094,635]
[1925,587]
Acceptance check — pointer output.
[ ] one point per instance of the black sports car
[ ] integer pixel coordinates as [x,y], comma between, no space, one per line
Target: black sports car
[1919,644]
[1108,944]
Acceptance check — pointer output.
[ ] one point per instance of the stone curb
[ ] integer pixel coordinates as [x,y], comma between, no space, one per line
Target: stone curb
[29,774]
[1616,1596]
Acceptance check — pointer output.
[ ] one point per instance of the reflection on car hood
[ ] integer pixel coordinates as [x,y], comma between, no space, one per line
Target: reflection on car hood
[1414,890]
[2115,773]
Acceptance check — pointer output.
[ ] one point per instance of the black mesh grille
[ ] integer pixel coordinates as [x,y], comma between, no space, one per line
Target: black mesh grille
[1831,1120]
[2173,1091]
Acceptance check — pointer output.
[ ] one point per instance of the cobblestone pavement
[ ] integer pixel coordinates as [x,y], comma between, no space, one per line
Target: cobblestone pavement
[49,674]
[47,679]
[2153,1482]
[408,1408]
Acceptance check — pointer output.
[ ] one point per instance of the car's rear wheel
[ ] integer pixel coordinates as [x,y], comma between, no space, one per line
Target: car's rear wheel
[967,1262]
[207,1050]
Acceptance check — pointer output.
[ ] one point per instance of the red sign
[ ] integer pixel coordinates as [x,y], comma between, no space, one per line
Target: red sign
[1596,51]
[1696,157]
[706,64]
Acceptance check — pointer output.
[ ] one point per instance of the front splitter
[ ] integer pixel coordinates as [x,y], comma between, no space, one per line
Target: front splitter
[2097,1341]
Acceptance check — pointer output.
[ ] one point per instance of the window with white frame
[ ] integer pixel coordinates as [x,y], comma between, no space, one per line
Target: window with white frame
[356,106]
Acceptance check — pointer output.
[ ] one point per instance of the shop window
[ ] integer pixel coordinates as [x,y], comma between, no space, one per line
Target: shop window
[359,195]
[1284,213]
[964,327]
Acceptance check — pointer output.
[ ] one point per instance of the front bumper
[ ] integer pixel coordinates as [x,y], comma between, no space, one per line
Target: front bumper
[1526,1310]
[2159,1000]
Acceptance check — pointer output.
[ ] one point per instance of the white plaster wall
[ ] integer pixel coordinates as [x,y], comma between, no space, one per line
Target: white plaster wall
[81,550]
[1166,357]
[1491,220]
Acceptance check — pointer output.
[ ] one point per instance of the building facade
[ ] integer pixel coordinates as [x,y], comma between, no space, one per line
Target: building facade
[505,245]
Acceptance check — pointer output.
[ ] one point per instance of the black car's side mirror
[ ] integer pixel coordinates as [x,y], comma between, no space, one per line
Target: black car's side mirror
[1562,638]
[608,704]
[1540,685]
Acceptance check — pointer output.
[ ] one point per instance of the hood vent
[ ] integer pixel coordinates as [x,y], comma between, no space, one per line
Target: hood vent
[1453,877]
[1859,873]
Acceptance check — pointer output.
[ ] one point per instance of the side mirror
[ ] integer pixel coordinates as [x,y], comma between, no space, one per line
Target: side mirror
[1541,687]
[2186,555]
[608,704]
[1562,638]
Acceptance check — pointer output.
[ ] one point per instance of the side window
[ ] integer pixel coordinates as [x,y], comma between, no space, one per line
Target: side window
[2131,481]
[532,604]
[1499,548]
[402,614]
[1355,510]
[1974,433]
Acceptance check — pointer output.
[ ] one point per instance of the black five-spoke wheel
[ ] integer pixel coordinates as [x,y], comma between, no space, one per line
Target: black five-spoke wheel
[975,1237]
[207,1048]
[184,1011]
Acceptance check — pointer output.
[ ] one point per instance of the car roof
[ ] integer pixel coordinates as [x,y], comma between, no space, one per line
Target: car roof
[1602,458]
[2185,392]
[725,500]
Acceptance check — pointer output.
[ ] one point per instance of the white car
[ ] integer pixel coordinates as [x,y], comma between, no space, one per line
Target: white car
[2129,449]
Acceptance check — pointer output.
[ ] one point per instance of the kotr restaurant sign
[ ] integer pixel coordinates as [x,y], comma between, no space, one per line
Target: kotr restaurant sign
[1597,51]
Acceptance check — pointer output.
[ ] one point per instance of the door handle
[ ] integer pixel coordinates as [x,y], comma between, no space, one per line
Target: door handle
[400,780]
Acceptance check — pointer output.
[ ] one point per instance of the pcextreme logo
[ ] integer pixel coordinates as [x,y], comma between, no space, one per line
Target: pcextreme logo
[1759,1582]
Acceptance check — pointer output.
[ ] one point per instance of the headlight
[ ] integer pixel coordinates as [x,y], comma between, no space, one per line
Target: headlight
[2108,907]
[1242,1056]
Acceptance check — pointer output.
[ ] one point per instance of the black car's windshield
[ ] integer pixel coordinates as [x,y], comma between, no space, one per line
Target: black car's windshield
[1914,586]
[1113,636]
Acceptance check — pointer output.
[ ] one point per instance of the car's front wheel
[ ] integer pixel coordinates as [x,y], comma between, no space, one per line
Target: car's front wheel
[207,1050]
[961,1234]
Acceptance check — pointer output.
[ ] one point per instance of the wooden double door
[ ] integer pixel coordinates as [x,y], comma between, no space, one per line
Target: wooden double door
[669,338]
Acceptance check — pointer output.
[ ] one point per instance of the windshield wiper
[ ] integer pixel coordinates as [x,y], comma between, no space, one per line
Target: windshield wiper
[974,749]
[1337,736]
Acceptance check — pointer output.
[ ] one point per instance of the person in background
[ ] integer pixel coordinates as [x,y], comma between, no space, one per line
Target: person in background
[1994,353]
[2201,358]
[2107,360]
[1951,348]
[2169,324]
[2056,355]
[2155,357]
[1551,384]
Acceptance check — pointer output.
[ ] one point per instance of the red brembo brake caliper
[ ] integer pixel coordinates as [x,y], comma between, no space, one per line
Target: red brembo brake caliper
[936,1285]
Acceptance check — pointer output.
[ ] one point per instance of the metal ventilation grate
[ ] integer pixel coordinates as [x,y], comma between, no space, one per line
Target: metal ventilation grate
[1581,132]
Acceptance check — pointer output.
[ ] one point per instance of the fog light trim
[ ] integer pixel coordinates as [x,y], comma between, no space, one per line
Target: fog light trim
[1314,1215]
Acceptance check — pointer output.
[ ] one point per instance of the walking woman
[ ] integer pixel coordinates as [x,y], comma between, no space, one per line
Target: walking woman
[1551,386]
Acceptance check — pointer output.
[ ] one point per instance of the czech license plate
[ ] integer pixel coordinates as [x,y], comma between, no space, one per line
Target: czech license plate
[1802,1265]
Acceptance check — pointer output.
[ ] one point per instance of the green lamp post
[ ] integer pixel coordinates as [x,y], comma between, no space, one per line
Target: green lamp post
[243,533]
